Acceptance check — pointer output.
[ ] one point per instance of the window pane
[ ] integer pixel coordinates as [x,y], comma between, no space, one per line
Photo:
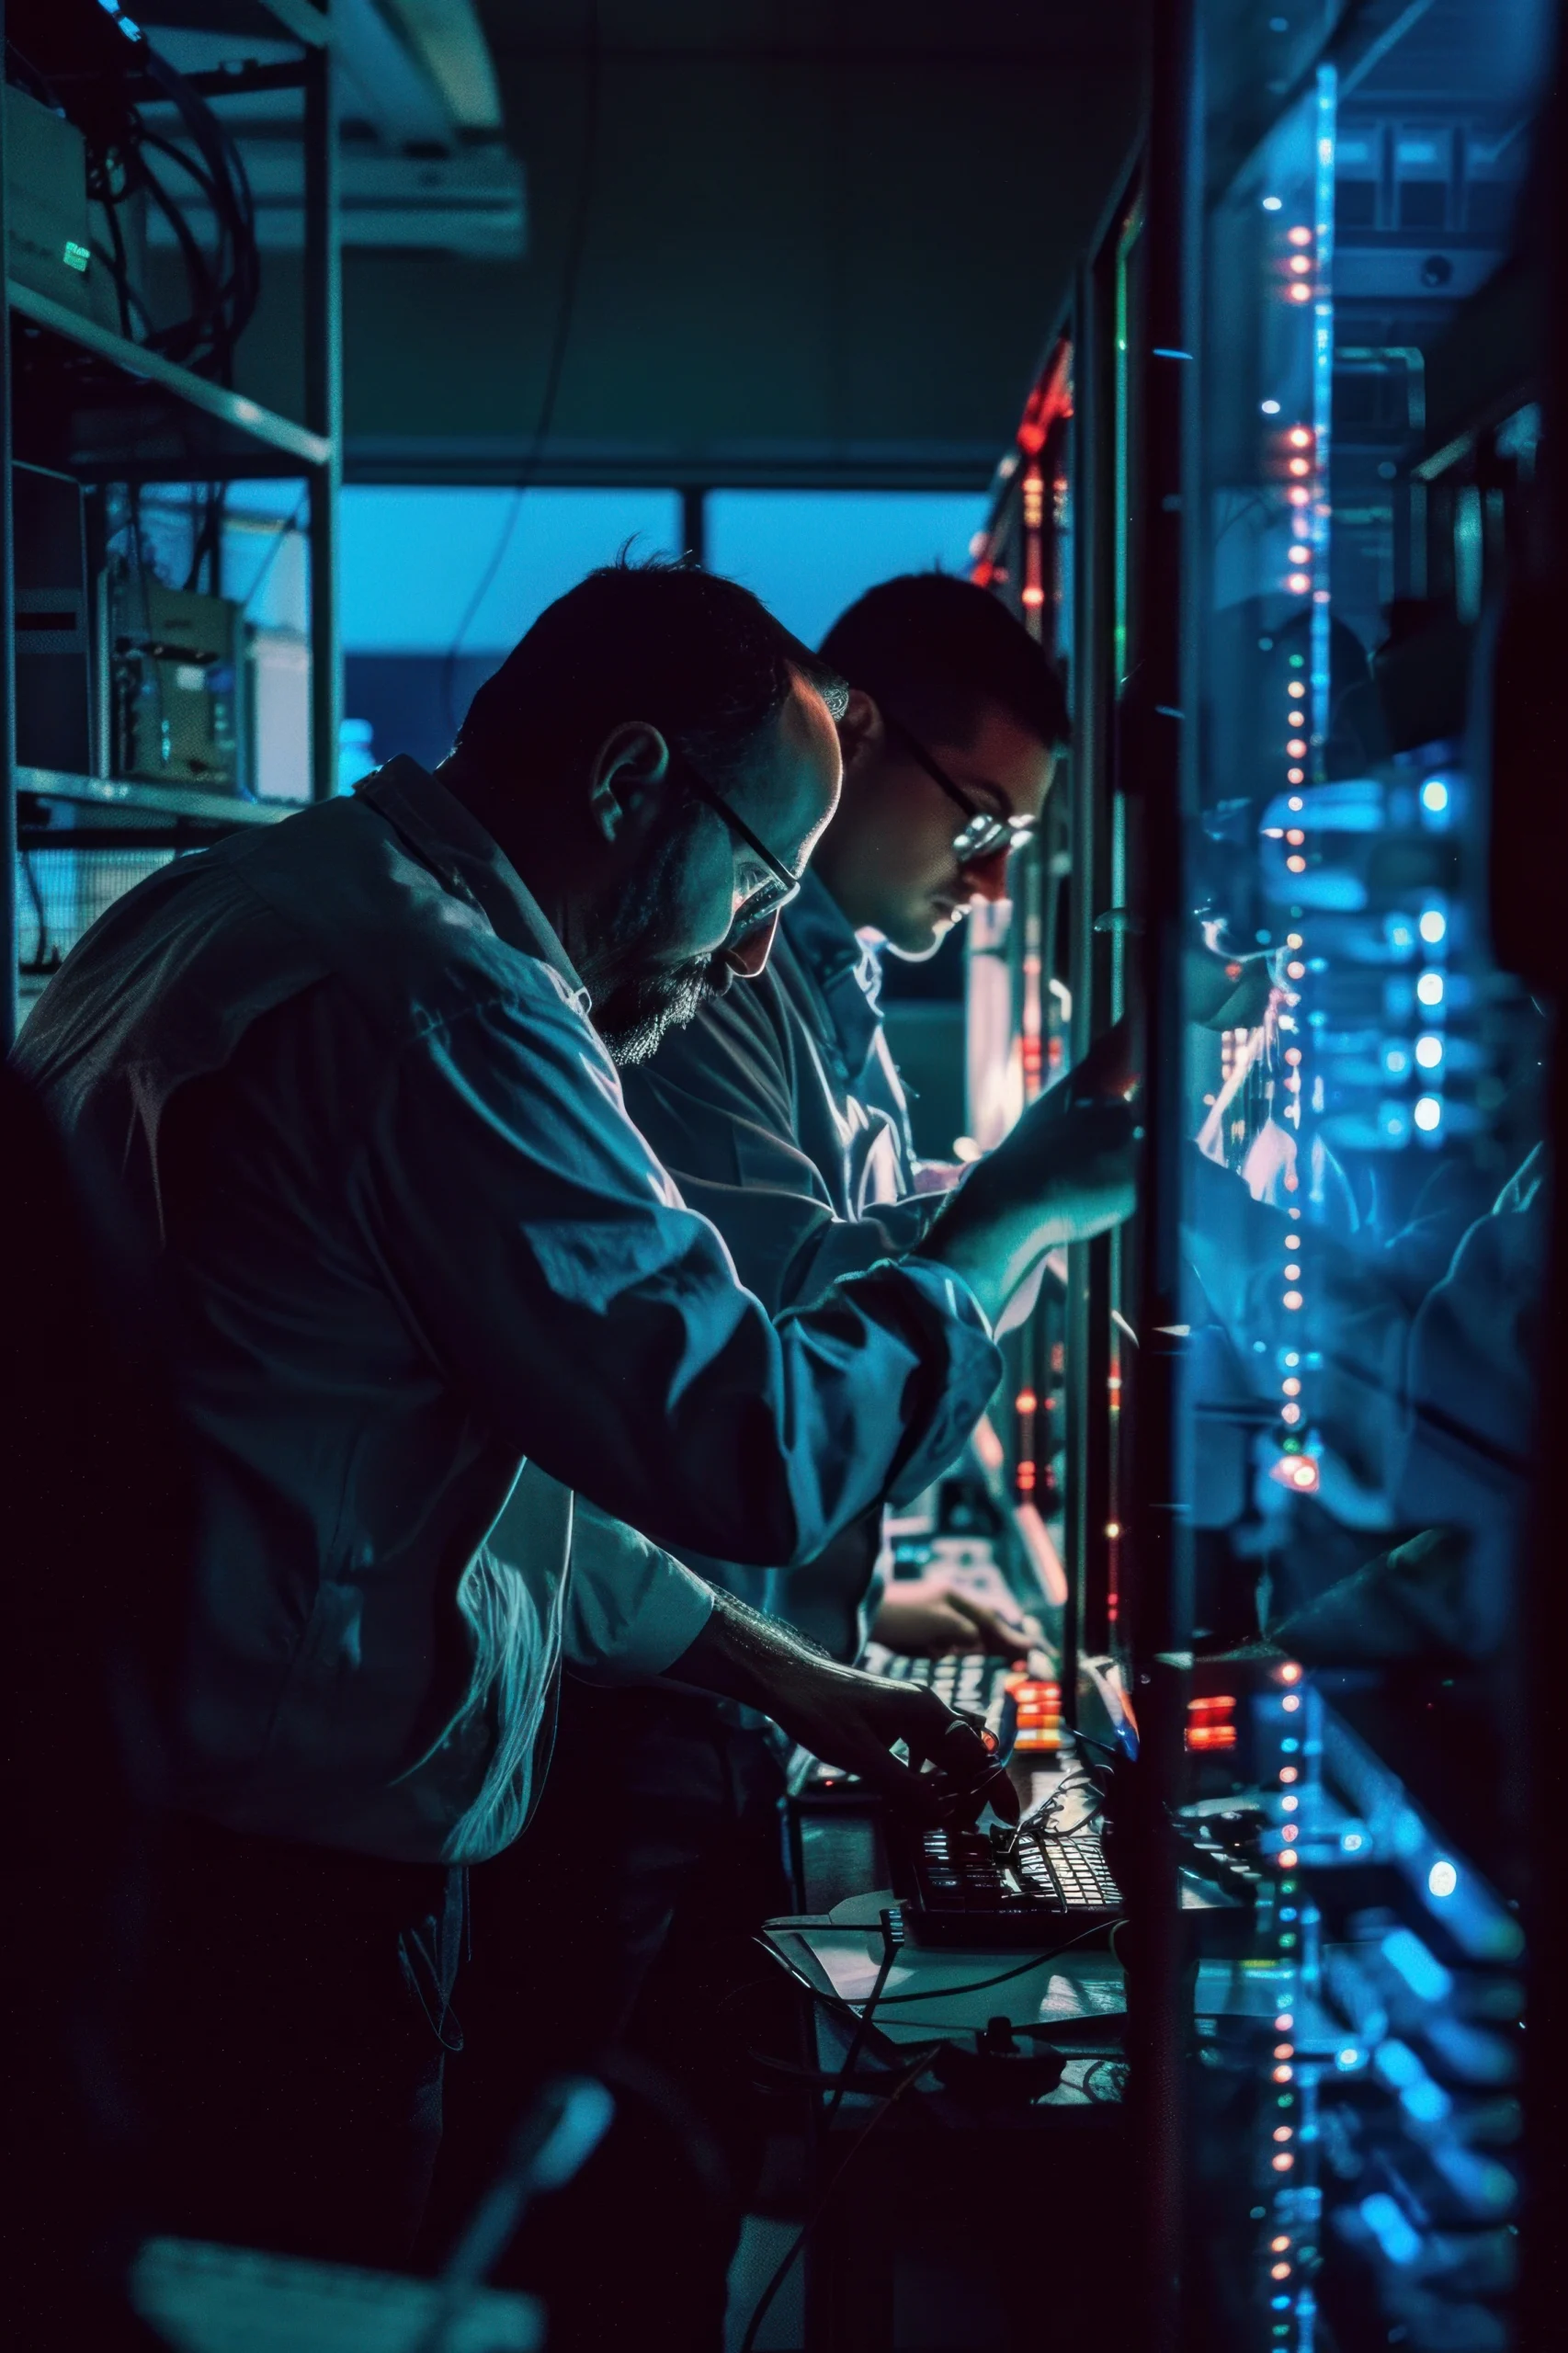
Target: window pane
[415,558]
[809,554]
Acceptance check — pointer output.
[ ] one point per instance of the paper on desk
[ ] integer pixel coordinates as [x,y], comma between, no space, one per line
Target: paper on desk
[205,2299]
[842,1955]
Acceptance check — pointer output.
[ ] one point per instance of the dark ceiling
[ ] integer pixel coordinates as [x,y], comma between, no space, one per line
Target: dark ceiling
[821,240]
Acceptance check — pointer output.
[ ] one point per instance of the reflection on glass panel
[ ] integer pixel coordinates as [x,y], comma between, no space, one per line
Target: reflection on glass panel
[1367,1214]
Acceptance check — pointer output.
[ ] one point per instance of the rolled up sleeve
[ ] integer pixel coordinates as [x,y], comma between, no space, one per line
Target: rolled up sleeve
[545,1257]
[632,1607]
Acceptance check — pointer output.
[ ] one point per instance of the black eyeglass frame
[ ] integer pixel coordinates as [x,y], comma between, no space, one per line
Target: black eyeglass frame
[715,800]
[987,832]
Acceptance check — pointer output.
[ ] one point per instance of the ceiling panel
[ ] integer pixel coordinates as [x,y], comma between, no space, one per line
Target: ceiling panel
[822,242]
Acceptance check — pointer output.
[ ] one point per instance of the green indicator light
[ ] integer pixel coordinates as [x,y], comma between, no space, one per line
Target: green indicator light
[75,257]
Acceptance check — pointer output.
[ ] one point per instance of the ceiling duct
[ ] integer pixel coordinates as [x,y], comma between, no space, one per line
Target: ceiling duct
[424,164]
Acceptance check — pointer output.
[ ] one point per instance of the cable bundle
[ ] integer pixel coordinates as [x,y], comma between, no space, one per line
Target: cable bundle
[96,68]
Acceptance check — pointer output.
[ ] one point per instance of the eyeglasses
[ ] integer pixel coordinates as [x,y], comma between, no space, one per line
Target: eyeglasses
[762,904]
[985,833]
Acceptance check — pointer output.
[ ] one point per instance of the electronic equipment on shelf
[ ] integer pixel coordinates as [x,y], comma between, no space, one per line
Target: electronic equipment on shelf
[1032,1888]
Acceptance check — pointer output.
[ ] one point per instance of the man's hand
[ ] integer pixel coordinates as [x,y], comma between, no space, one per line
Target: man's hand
[1061,1176]
[929,1617]
[848,1719]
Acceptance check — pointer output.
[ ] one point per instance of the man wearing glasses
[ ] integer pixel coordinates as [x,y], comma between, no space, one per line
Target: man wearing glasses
[781,1115]
[356,1074]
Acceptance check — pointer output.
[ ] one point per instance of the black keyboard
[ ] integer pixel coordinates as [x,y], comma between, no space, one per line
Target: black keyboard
[991,1889]
[1022,1706]
[965,1679]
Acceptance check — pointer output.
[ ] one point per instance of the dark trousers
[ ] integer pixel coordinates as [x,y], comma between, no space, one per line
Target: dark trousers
[617,1934]
[290,2034]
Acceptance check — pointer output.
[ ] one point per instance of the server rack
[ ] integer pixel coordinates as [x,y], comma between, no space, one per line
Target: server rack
[93,406]
[1332,2088]
[1314,422]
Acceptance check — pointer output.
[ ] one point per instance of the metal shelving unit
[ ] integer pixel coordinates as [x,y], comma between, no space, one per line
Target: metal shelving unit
[80,400]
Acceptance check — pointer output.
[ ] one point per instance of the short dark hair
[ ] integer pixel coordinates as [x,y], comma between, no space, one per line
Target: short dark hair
[696,655]
[933,648]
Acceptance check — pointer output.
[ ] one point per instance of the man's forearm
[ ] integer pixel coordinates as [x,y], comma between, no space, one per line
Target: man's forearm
[740,1655]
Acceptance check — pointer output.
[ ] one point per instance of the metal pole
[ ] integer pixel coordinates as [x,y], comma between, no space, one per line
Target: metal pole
[1525,885]
[1159,1594]
[694,523]
[1084,1623]
[323,408]
[9,928]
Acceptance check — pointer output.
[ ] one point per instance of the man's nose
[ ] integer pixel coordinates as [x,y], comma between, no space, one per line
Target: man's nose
[987,878]
[749,956]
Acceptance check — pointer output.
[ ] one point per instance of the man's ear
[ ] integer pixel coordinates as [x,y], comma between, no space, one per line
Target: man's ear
[629,771]
[862,734]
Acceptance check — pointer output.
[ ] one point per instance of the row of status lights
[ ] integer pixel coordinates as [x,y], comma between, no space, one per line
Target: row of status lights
[1296,1468]
[1286,2255]
[1290,2298]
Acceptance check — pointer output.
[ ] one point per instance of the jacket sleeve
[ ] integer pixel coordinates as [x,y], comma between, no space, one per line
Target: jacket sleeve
[546,1260]
[632,1609]
[716,1105]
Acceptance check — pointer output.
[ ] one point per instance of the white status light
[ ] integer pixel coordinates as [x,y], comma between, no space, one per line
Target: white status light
[1429,1051]
[1428,1113]
[1434,795]
[1429,988]
[1434,926]
[1442,1879]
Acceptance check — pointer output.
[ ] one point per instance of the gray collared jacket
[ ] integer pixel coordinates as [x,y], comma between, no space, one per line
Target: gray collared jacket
[424,1280]
[780,1114]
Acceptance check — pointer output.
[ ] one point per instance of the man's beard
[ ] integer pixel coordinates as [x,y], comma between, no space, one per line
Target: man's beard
[635,1014]
[644,1000]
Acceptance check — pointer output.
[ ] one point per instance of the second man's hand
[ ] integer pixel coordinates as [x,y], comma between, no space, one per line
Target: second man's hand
[930,1616]
[1061,1176]
[848,1719]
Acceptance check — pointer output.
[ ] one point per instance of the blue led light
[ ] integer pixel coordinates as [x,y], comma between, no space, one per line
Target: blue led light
[1433,926]
[1429,988]
[1421,1970]
[1398,2065]
[1426,2102]
[1428,1113]
[1442,1879]
[1429,1051]
[1352,1841]
[1486,2186]
[1435,796]
[1388,2225]
[1347,2057]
